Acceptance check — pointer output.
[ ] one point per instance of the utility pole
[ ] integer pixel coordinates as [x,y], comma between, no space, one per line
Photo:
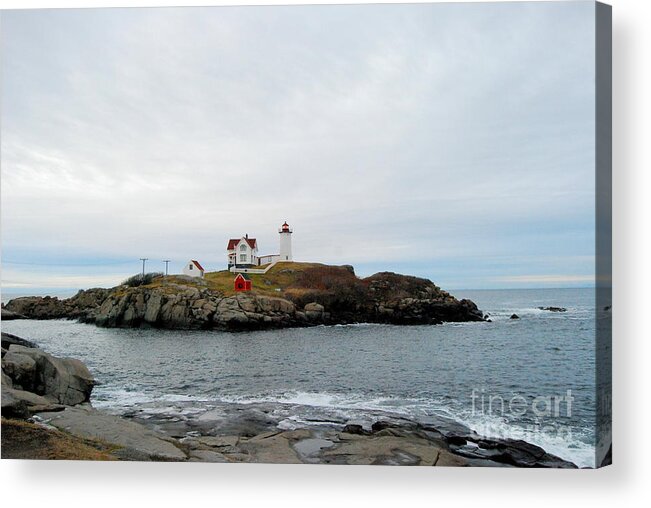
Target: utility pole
[166,261]
[143,265]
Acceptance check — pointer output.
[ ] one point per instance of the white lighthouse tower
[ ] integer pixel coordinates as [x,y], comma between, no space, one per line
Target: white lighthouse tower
[285,242]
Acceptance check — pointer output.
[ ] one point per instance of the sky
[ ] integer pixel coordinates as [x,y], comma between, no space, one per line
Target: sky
[448,141]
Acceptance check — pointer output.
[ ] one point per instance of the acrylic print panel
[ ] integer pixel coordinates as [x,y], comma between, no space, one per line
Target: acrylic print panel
[354,234]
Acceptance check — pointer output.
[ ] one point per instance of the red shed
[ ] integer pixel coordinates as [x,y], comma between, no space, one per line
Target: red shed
[242,282]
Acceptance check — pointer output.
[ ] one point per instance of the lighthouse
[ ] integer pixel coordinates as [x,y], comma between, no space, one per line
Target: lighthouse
[285,242]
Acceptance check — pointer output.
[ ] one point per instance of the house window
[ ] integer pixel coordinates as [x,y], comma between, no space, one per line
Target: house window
[243,248]
[242,257]
[189,267]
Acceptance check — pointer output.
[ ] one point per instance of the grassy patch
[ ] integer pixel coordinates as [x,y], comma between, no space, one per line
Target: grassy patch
[299,282]
[23,440]
[283,276]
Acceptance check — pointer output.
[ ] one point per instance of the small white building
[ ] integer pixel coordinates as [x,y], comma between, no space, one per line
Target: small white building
[193,268]
[268,258]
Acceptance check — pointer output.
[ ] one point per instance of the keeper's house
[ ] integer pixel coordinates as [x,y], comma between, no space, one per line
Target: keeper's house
[242,252]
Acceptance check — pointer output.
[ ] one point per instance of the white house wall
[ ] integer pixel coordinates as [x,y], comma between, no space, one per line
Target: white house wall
[191,270]
[251,254]
[263,260]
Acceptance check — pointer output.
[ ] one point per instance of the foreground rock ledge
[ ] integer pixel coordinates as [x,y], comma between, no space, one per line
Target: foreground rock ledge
[388,445]
[303,295]
[134,441]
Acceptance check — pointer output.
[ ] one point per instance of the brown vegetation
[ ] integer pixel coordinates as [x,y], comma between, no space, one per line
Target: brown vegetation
[24,440]
[335,287]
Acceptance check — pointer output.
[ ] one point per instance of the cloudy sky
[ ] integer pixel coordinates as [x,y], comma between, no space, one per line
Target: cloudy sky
[451,141]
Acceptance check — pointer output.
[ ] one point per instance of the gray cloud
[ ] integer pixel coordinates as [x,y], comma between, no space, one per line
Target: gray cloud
[389,134]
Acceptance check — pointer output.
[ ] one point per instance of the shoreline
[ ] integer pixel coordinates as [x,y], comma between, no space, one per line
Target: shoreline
[96,434]
[290,295]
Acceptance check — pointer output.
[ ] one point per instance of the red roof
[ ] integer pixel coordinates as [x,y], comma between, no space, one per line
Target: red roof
[198,265]
[234,241]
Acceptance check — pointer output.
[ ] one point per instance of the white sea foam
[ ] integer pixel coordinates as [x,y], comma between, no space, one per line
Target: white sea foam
[119,397]
[332,400]
[356,325]
[566,445]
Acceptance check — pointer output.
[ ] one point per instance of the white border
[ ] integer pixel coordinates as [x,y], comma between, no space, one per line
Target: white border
[623,484]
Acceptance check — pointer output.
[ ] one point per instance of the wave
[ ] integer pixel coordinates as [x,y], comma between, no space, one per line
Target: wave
[108,398]
[403,406]
[571,444]
[355,325]
[571,313]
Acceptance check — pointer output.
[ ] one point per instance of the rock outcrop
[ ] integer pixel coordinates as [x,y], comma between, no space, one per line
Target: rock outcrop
[33,380]
[8,339]
[48,307]
[8,315]
[135,441]
[193,308]
[327,295]
[400,442]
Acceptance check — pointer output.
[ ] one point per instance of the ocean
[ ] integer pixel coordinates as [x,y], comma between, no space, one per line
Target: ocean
[532,378]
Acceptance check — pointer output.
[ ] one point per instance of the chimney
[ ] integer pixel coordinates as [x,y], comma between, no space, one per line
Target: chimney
[246,236]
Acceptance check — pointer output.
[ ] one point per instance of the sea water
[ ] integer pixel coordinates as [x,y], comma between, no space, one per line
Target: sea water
[531,378]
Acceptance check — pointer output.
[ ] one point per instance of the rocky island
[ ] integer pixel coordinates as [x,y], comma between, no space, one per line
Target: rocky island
[289,295]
